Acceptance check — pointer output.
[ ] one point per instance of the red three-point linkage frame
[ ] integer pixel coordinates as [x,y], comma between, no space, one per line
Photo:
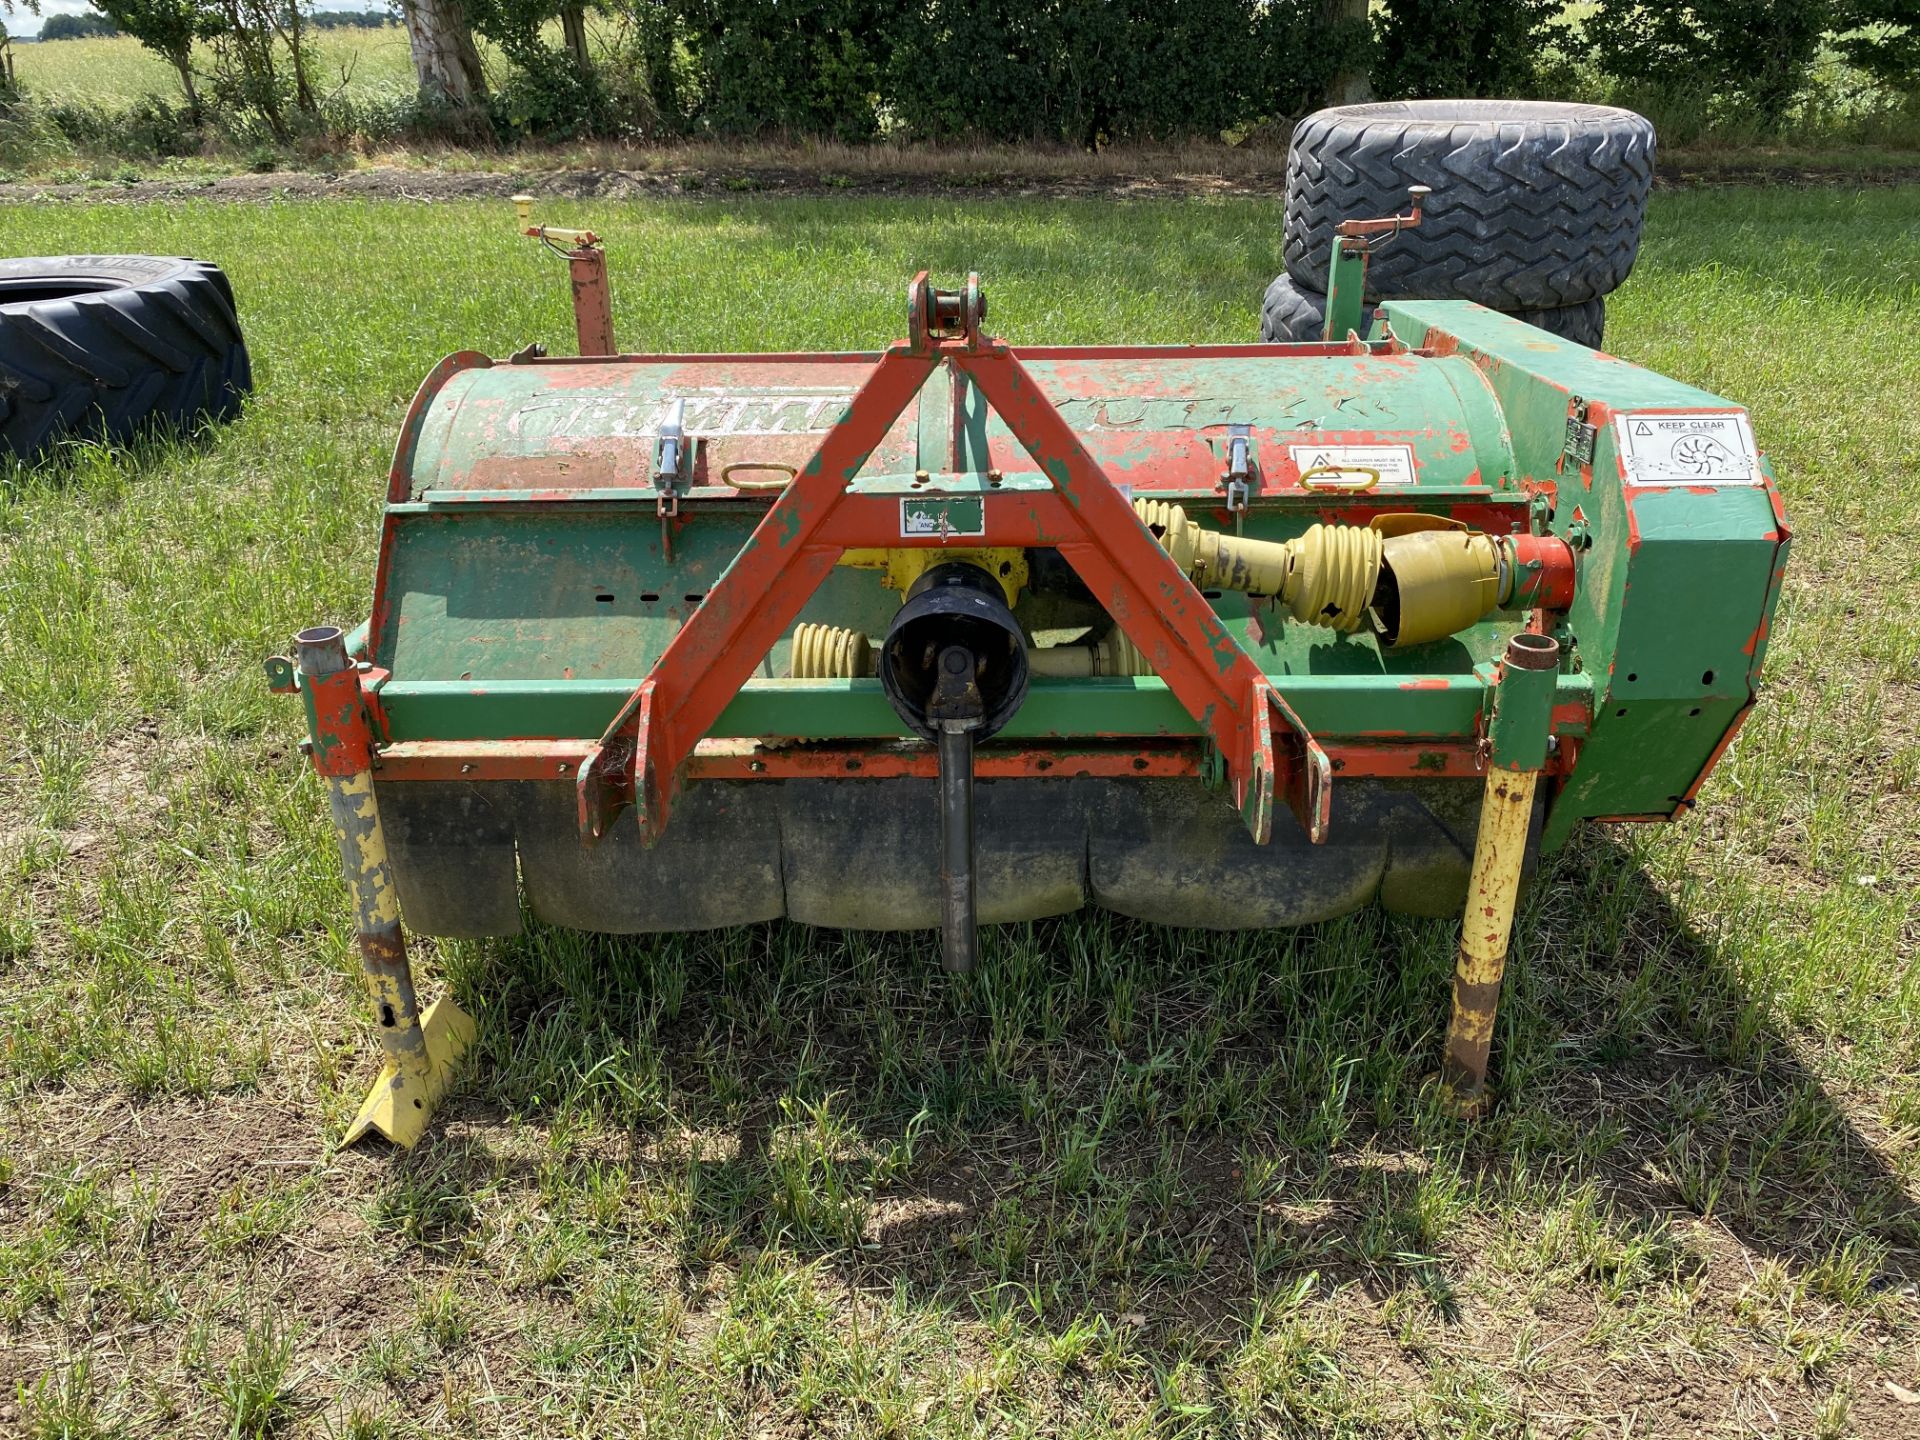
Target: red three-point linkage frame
[1264,747]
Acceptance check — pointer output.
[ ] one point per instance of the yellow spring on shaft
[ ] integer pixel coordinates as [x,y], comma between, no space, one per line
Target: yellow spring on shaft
[829,652]
[1331,580]
[1118,655]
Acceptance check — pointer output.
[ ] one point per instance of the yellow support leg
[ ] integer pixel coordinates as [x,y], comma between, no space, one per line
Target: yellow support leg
[1498,856]
[1519,736]
[403,1100]
[420,1052]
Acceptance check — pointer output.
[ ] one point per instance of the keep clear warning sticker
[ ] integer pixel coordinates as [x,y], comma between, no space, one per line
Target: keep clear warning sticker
[1697,449]
[1353,467]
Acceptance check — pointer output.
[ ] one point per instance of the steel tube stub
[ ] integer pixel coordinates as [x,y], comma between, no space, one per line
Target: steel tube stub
[1522,718]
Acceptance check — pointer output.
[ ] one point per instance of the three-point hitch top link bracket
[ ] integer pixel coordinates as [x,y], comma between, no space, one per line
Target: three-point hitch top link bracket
[945,314]
[1354,242]
[1265,750]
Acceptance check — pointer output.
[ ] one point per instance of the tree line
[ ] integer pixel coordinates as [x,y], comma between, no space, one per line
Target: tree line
[1088,72]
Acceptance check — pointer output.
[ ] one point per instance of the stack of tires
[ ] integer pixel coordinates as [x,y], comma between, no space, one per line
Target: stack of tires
[1536,208]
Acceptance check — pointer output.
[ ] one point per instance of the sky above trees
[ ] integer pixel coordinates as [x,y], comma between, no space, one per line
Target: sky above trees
[22,24]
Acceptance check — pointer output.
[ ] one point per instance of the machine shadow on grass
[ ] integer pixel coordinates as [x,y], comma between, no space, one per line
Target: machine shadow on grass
[1169,1126]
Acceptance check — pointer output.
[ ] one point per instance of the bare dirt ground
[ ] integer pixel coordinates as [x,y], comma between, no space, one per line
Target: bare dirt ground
[911,177]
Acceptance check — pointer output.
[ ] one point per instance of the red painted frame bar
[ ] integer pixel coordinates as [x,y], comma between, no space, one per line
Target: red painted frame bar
[638,758]
[482,761]
[1159,608]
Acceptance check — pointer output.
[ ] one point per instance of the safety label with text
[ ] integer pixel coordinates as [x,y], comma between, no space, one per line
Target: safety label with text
[1353,467]
[948,516]
[1709,448]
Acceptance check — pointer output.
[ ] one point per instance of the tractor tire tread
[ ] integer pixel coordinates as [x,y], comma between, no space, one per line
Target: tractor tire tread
[1535,205]
[137,341]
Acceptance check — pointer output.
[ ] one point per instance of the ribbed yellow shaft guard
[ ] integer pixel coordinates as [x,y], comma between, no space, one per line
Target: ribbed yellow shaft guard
[1331,579]
[1326,577]
[1214,561]
[829,652]
[838,652]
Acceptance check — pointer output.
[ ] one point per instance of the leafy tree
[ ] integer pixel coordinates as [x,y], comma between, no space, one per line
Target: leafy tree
[1756,52]
[555,90]
[352,19]
[446,62]
[77,27]
[810,67]
[1094,71]
[1883,39]
[1427,48]
[168,28]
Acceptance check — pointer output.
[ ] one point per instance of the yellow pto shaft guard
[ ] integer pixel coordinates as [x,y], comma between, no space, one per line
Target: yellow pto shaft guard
[1419,577]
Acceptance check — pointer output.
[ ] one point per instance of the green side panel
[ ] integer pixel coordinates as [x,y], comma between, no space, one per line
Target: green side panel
[1677,583]
[1689,604]
[561,591]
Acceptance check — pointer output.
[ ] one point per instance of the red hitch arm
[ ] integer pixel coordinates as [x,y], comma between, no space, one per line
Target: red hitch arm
[639,758]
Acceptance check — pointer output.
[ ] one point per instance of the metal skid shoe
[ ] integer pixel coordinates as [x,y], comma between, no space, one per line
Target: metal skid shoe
[421,1051]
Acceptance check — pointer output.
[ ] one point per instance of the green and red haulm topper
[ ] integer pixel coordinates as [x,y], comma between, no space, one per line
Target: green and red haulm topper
[949,631]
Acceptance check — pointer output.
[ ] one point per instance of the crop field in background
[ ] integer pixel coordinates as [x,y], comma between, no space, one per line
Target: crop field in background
[111,72]
[778,1182]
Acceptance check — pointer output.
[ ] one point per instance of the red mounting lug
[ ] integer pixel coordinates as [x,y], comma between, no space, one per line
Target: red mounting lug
[944,314]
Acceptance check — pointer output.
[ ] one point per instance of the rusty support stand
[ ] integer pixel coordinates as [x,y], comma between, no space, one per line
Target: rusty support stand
[420,1051]
[592,300]
[1522,721]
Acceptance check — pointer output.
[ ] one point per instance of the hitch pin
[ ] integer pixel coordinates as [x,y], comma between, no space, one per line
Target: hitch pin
[669,467]
[1239,473]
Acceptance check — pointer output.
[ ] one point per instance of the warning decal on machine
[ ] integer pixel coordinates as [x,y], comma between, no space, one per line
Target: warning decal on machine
[1693,449]
[948,516]
[1353,467]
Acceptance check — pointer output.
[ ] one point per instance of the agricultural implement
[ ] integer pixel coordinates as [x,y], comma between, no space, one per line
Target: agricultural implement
[955,633]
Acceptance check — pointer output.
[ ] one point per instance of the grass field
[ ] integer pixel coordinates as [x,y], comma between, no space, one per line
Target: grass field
[1123,1180]
[112,72]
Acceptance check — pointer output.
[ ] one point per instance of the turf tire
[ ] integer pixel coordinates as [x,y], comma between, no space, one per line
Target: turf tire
[1536,205]
[1290,311]
[106,345]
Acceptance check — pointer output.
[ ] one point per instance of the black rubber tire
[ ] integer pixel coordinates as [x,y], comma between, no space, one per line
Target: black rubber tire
[105,345]
[1535,204]
[1290,311]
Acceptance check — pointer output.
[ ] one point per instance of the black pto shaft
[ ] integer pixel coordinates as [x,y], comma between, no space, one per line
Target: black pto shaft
[956,710]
